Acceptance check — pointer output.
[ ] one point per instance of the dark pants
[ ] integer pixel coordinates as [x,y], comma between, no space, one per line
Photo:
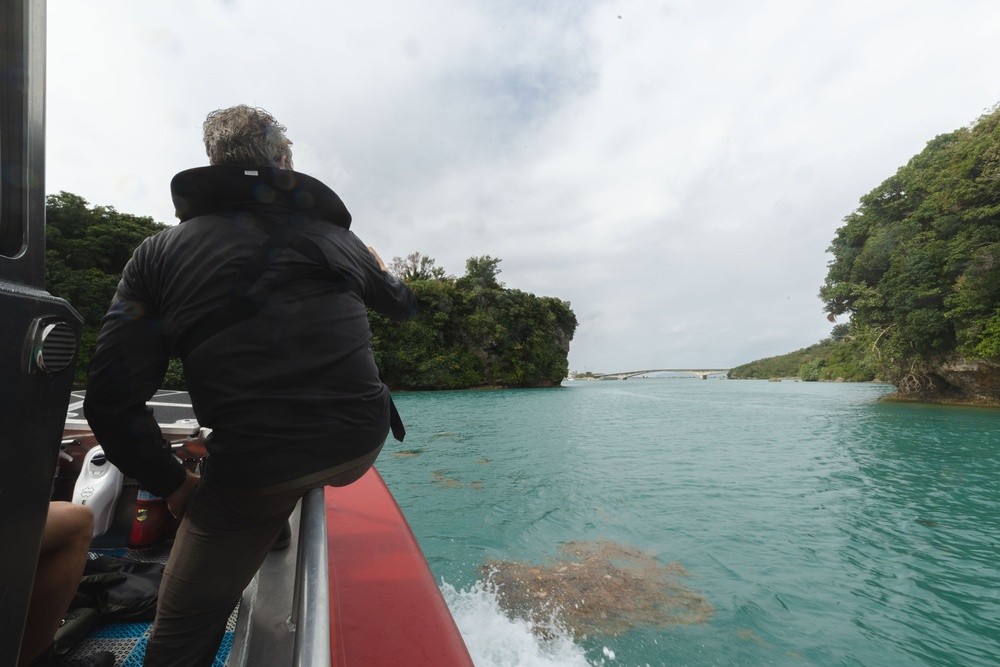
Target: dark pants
[221,542]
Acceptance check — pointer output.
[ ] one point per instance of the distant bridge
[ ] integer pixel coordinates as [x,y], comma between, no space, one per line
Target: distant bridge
[702,373]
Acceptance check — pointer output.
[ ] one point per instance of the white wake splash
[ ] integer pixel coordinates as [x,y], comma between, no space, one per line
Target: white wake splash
[494,640]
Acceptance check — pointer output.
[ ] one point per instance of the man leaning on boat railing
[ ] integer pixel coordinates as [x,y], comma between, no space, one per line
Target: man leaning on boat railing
[261,291]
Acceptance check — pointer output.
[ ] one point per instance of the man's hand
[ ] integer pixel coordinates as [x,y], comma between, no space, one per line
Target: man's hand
[378,259]
[177,501]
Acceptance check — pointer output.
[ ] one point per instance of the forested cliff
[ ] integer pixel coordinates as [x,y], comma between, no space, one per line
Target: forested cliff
[916,269]
[471,332]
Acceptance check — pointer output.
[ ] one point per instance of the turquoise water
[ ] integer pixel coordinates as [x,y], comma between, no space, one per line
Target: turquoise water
[823,526]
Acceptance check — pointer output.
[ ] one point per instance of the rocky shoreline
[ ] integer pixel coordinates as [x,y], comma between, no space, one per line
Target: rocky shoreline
[943,399]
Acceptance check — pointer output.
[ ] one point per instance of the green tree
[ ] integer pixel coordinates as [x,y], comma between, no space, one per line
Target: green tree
[473,332]
[87,248]
[415,267]
[811,371]
[841,357]
[840,331]
[483,272]
[917,265]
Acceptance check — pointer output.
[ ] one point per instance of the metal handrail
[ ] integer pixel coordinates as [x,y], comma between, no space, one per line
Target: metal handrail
[312,585]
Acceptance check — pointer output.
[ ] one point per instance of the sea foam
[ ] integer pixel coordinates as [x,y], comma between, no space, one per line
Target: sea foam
[494,640]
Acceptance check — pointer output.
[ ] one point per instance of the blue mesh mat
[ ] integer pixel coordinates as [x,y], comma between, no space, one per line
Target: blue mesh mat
[127,641]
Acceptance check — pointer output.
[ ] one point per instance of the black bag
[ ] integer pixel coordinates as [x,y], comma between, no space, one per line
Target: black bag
[122,590]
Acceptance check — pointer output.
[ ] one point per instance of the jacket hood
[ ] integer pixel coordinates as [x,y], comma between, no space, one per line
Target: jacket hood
[206,190]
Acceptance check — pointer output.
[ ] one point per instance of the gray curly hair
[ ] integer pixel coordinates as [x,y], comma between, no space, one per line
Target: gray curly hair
[246,136]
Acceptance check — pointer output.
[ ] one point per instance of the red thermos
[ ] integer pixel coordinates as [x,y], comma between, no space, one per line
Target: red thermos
[151,517]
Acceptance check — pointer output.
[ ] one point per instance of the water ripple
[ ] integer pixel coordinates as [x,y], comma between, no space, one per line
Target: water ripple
[825,527]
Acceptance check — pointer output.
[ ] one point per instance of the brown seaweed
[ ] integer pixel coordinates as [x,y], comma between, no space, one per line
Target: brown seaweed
[598,588]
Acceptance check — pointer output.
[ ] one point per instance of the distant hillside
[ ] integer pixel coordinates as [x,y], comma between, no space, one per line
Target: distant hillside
[840,357]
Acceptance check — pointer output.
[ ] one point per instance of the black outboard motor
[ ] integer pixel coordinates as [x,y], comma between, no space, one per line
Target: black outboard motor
[39,333]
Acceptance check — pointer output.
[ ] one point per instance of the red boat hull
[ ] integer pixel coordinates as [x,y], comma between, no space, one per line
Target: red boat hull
[386,608]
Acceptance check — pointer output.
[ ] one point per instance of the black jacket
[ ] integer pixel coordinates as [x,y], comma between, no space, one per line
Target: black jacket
[290,390]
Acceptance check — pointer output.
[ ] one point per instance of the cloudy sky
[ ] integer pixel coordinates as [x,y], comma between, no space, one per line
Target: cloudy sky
[675,169]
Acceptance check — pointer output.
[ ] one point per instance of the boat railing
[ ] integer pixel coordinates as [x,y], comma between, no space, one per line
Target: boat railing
[312,585]
[284,614]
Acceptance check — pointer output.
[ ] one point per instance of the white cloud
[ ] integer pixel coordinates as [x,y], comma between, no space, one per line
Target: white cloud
[676,170]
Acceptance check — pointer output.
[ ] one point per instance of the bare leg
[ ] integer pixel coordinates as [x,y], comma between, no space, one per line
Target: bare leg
[68,531]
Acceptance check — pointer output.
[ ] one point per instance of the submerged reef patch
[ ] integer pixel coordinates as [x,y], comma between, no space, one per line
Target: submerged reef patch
[440,478]
[602,588]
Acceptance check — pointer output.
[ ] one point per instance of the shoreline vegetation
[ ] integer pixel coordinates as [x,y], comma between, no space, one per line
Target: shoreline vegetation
[895,397]
[824,362]
[937,399]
